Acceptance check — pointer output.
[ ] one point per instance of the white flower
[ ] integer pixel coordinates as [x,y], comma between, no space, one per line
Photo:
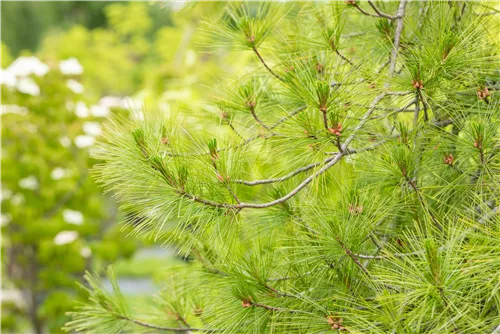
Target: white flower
[73,217]
[99,111]
[65,237]
[136,107]
[28,86]
[190,58]
[25,66]
[70,105]
[8,78]
[17,199]
[65,141]
[81,109]
[85,252]
[112,102]
[92,128]
[71,66]
[29,182]
[75,86]
[6,193]
[83,141]
[32,128]
[14,109]
[58,173]
[5,219]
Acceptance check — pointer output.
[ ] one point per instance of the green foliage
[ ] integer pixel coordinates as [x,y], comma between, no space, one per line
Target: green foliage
[350,182]
[55,222]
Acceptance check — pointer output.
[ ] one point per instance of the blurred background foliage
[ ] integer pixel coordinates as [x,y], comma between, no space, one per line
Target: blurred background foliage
[66,67]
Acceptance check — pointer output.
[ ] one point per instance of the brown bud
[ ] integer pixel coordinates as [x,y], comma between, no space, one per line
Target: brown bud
[417,84]
[449,159]
[355,210]
[336,323]
[336,130]
[246,303]
[486,92]
[483,93]
[319,68]
[323,108]
[251,104]
[164,141]
[220,177]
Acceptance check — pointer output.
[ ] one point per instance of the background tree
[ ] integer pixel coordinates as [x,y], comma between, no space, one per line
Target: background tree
[55,222]
[356,188]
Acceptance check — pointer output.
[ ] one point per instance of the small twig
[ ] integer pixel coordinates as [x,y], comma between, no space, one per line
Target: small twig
[236,132]
[264,63]
[381,14]
[254,115]
[383,257]
[171,329]
[352,256]
[422,201]
[290,115]
[280,293]
[343,57]
[397,35]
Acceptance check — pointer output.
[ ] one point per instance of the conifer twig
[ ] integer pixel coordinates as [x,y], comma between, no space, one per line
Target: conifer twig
[312,165]
[304,183]
[352,256]
[343,57]
[264,63]
[378,14]
[381,14]
[397,35]
[383,257]
[161,328]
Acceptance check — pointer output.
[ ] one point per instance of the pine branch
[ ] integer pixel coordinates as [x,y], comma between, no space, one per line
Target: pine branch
[397,35]
[379,13]
[161,328]
[352,256]
[265,65]
[254,115]
[290,115]
[343,57]
[312,165]
[384,257]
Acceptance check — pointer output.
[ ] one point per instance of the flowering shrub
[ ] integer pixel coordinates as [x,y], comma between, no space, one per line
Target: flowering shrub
[55,222]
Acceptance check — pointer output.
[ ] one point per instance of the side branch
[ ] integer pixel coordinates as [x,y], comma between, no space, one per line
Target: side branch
[331,163]
[397,36]
[310,166]
[264,63]
[168,329]
[381,14]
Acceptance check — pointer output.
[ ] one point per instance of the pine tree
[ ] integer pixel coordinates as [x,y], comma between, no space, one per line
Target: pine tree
[346,181]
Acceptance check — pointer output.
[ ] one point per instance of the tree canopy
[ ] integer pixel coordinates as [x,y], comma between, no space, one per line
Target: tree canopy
[346,181]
